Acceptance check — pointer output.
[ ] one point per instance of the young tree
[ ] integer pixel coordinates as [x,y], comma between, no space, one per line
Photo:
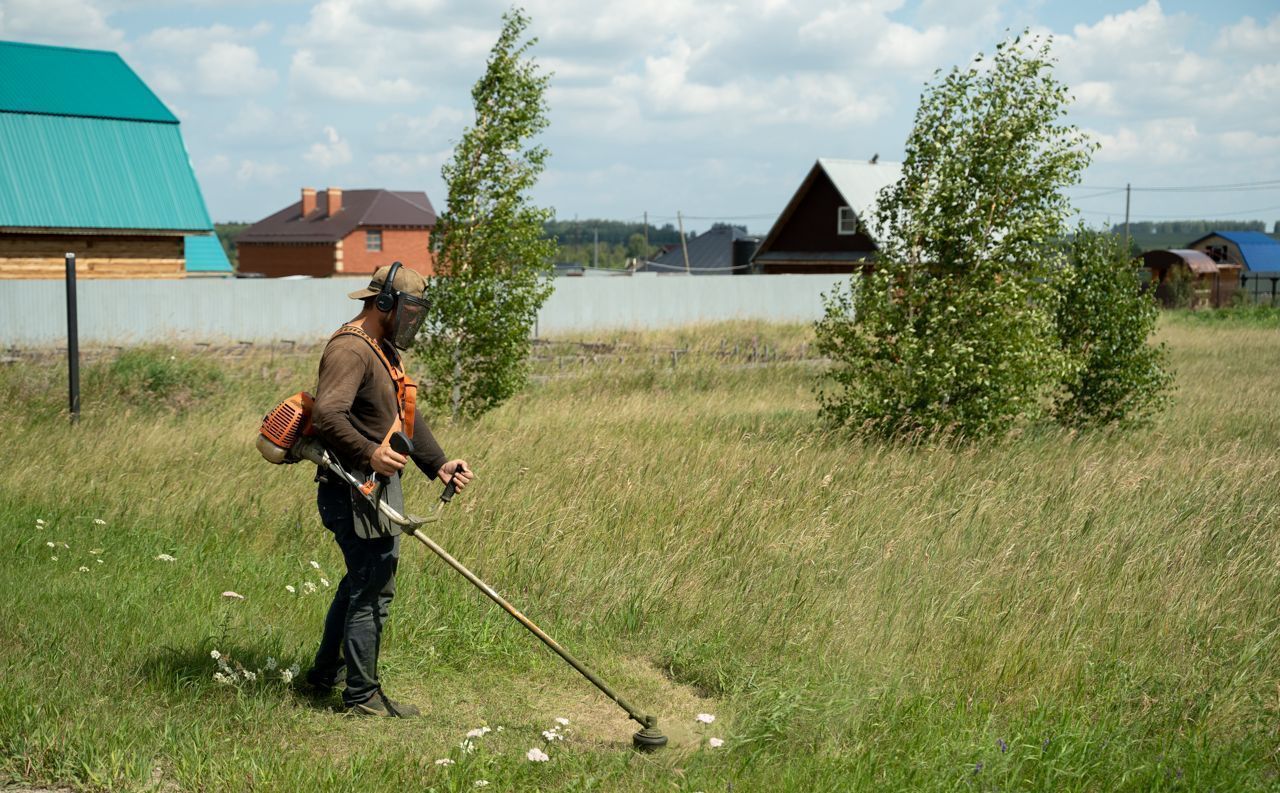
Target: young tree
[493,260]
[1104,320]
[954,331]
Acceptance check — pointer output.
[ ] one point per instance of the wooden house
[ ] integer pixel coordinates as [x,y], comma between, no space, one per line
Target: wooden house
[341,232]
[824,227]
[92,163]
[1190,278]
[1255,254]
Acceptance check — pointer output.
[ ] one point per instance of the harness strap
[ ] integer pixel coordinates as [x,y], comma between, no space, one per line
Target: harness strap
[406,388]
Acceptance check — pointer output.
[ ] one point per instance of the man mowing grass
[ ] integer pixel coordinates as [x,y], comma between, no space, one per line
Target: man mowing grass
[362,397]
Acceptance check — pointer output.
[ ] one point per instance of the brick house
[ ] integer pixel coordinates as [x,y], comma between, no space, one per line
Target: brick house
[337,232]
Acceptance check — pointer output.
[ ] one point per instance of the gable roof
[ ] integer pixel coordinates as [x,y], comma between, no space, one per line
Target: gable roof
[711,252]
[1260,251]
[85,145]
[858,182]
[62,81]
[204,254]
[360,208]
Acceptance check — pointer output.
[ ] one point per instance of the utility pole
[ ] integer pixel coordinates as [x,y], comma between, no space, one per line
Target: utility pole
[684,248]
[1127,244]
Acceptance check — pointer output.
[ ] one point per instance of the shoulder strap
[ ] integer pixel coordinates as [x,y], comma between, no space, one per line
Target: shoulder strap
[406,388]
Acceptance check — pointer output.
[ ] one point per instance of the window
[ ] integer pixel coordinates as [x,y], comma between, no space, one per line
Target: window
[847,222]
[373,240]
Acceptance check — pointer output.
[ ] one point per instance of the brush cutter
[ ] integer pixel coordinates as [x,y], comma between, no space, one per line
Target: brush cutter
[286,437]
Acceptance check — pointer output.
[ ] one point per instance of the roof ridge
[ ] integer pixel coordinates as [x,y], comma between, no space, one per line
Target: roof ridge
[37,45]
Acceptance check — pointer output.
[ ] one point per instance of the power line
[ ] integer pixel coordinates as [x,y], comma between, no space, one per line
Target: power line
[1237,187]
[1230,215]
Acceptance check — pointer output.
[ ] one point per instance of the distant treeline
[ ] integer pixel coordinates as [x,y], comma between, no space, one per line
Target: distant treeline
[1192,228]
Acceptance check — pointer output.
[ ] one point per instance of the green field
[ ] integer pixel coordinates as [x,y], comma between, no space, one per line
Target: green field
[1055,612]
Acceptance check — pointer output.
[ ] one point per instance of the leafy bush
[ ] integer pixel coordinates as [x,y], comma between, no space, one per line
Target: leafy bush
[1104,320]
[954,331]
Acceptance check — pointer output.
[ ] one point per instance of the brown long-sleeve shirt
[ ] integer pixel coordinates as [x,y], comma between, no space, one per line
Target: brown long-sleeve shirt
[356,405]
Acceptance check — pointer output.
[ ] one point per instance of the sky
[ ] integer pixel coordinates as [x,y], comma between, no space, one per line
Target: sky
[715,109]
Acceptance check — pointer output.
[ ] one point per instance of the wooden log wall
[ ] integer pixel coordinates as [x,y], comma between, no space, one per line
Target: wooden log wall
[106,256]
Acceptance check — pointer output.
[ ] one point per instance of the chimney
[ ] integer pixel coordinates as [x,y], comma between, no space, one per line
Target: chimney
[335,200]
[308,201]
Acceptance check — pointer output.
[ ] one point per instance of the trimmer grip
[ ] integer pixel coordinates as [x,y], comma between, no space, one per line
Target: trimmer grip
[452,487]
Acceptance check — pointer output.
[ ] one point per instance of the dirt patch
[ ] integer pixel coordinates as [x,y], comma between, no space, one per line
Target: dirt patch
[526,706]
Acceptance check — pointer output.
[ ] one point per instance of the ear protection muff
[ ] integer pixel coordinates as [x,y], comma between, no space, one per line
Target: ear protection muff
[386,299]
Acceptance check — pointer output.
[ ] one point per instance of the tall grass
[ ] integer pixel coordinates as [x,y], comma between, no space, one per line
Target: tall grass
[1055,612]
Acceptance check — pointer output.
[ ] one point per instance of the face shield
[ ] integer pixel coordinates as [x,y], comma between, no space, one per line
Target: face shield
[409,315]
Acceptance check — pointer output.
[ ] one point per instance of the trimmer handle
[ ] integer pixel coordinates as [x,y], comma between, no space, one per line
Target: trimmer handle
[452,487]
[400,444]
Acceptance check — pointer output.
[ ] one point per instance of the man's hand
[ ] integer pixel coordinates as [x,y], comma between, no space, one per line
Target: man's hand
[457,471]
[387,461]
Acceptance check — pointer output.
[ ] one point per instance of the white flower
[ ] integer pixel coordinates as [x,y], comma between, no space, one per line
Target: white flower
[309,587]
[271,664]
[715,743]
[324,581]
[164,557]
[221,678]
[250,676]
[294,670]
[232,595]
[64,545]
[499,728]
[467,747]
[215,655]
[444,761]
[287,676]
[99,522]
[551,735]
[289,588]
[54,558]
[101,562]
[478,732]
[84,569]
[482,783]
[562,721]
[52,544]
[536,755]
[39,523]
[95,551]
[315,564]
[705,718]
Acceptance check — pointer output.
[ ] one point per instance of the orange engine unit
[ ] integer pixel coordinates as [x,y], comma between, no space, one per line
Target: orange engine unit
[288,420]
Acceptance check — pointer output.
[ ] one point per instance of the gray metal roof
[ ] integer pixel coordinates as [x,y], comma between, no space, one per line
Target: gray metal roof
[860,182]
[710,253]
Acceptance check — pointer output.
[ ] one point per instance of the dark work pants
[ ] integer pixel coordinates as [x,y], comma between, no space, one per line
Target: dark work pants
[353,627]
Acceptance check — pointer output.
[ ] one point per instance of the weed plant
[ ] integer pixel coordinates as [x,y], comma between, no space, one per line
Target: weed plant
[1056,611]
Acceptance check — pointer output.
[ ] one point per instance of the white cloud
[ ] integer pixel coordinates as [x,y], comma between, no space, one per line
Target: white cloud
[405,133]
[1166,141]
[251,171]
[64,22]
[1248,36]
[333,150]
[337,81]
[227,69]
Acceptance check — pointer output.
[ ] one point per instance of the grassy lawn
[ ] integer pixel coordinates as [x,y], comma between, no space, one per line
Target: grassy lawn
[1056,612]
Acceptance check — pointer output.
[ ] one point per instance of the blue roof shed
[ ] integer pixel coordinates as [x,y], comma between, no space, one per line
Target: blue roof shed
[1256,252]
[204,255]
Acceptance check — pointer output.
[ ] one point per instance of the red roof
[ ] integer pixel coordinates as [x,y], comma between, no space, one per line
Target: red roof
[360,209]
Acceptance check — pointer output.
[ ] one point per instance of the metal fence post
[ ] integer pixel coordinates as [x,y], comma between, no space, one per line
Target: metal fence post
[73,341]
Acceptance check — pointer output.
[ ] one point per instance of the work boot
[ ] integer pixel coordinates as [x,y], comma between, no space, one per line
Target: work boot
[380,705]
[324,684]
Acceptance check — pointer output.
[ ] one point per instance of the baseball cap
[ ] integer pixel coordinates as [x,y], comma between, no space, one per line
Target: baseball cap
[406,281]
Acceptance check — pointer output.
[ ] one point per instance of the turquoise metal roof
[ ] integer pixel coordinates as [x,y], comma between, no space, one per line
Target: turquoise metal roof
[95,173]
[70,82]
[204,254]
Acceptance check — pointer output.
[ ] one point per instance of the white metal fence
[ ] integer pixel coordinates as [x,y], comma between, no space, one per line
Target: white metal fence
[33,313]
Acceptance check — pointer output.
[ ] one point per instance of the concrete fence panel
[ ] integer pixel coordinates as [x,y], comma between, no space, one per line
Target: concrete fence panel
[33,313]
